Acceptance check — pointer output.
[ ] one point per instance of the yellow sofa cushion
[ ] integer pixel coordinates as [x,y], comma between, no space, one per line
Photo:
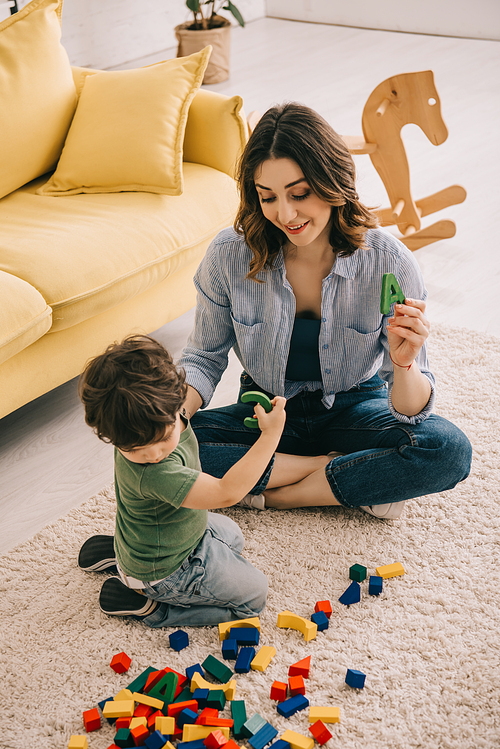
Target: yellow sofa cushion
[24,315]
[128,130]
[88,253]
[38,96]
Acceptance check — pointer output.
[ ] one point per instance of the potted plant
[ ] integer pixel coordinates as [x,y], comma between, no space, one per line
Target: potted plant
[208,27]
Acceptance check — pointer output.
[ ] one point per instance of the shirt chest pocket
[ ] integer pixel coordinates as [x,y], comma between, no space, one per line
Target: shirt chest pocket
[252,345]
[363,348]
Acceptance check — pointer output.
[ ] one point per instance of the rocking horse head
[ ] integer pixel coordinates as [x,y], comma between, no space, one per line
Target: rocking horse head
[400,100]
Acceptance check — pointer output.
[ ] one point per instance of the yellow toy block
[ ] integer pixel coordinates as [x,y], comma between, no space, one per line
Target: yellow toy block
[138,722]
[390,570]
[224,627]
[125,694]
[324,714]
[165,725]
[168,745]
[192,732]
[287,620]
[145,699]
[263,658]
[229,689]
[119,709]
[78,742]
[297,740]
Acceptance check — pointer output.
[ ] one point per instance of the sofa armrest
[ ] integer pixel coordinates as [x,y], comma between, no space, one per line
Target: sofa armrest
[216,131]
[79,75]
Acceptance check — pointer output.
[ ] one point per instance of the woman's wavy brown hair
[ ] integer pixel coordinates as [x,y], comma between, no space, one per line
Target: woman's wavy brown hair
[294,131]
[132,392]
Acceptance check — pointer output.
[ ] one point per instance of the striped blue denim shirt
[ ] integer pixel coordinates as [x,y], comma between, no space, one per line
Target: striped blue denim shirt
[256,319]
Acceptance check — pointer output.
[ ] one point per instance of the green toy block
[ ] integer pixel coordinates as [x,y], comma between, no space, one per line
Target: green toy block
[216,698]
[217,669]
[253,396]
[140,682]
[357,572]
[391,292]
[253,724]
[165,688]
[239,716]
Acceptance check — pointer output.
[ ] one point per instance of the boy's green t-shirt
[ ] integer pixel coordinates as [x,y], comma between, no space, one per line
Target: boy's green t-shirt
[153,533]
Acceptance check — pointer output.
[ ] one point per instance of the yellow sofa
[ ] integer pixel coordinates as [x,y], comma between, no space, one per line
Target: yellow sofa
[81,269]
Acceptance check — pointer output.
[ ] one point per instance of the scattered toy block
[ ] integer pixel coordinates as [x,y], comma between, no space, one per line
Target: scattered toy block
[279,691]
[390,570]
[325,606]
[280,744]
[165,689]
[263,736]
[124,694]
[230,649]
[191,744]
[138,722]
[301,668]
[185,717]
[297,740]
[195,669]
[147,699]
[201,697]
[179,640]
[184,694]
[153,679]
[216,698]
[206,715]
[119,709]
[91,720]
[324,714]
[357,572]
[225,627]
[245,635]
[253,724]
[355,678]
[391,292]
[263,658]
[229,689]
[239,716]
[143,711]
[231,744]
[320,732]
[78,742]
[375,585]
[165,725]
[321,620]
[217,669]
[292,705]
[351,595]
[296,685]
[123,738]
[155,741]
[244,659]
[139,734]
[287,620]
[140,681]
[215,740]
[120,663]
[122,723]
[175,708]
[192,732]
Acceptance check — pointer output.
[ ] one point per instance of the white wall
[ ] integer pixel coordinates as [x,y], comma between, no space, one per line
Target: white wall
[474,19]
[107,33]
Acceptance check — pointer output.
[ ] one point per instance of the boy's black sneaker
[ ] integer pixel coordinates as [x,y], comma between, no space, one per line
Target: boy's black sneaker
[115,599]
[98,554]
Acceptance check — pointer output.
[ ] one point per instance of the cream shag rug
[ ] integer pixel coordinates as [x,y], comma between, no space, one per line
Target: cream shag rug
[429,645]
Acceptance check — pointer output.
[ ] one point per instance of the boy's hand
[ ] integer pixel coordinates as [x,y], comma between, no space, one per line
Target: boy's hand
[274,421]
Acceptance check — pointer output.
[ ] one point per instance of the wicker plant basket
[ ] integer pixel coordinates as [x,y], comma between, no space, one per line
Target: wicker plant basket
[192,40]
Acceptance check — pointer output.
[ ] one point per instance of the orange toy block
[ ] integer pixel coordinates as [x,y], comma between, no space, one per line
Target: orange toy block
[91,720]
[120,663]
[231,744]
[139,734]
[142,711]
[325,606]
[122,723]
[320,732]
[390,570]
[177,707]
[215,740]
[279,691]
[301,668]
[296,684]
[78,742]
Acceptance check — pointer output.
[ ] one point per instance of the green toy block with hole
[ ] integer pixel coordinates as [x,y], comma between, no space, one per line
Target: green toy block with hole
[253,396]
[391,292]
[165,689]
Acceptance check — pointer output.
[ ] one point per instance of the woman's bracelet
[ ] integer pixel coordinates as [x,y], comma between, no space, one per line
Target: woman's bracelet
[403,366]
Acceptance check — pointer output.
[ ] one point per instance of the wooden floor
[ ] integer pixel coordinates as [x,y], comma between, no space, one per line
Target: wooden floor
[50,461]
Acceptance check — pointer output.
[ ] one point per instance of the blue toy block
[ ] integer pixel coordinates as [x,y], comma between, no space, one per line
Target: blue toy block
[156,741]
[198,744]
[375,585]
[355,678]
[321,620]
[351,595]
[293,705]
[280,744]
[186,716]
[245,635]
[252,725]
[263,736]
[192,670]
[178,640]
[201,697]
[230,649]
[244,659]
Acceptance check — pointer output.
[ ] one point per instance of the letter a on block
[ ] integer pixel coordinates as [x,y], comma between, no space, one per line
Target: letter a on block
[391,292]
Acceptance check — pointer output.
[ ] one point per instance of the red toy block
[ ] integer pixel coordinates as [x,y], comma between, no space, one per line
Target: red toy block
[215,740]
[91,720]
[152,719]
[122,723]
[139,734]
[207,714]
[120,663]
[296,684]
[175,708]
[325,606]
[231,744]
[279,691]
[153,679]
[301,668]
[320,732]
[143,711]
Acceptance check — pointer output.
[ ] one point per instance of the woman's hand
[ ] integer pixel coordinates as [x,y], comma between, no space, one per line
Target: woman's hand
[407,331]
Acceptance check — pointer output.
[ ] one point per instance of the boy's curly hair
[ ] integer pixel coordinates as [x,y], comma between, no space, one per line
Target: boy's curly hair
[132,392]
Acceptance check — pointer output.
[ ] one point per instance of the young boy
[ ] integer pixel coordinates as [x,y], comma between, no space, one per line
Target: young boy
[178,564]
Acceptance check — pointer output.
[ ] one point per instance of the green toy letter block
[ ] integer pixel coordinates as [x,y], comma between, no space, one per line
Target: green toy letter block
[391,292]
[253,396]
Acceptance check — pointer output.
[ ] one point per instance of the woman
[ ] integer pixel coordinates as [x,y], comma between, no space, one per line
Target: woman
[295,289]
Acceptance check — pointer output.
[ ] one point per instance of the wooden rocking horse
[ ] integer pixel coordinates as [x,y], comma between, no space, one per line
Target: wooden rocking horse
[398,101]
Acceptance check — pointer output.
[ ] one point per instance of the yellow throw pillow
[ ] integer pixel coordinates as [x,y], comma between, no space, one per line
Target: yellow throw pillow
[128,130]
[37,93]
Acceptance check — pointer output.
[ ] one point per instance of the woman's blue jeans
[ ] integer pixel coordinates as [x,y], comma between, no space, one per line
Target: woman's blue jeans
[384,460]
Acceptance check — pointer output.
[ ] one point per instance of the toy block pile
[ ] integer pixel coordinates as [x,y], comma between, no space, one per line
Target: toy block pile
[358,573]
